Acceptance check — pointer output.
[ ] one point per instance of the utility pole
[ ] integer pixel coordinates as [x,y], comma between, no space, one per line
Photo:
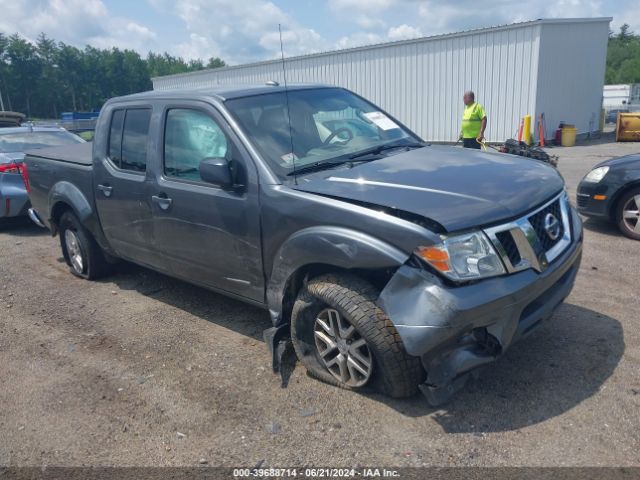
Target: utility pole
[1,102]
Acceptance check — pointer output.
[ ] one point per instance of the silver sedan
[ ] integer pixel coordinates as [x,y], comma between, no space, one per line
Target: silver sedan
[14,180]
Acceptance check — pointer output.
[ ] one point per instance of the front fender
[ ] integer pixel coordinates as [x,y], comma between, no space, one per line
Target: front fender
[336,246]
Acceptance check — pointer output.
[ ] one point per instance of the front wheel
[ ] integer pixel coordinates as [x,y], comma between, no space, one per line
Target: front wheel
[343,338]
[80,250]
[628,214]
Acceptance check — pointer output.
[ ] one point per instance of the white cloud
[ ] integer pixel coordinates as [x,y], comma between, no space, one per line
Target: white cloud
[243,31]
[359,39]
[368,22]
[77,22]
[403,32]
[442,17]
[360,5]
[365,14]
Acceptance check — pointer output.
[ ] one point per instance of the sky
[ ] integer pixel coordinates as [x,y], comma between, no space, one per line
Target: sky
[242,31]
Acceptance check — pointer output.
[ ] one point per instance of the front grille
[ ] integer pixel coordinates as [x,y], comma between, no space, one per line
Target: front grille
[537,222]
[583,200]
[510,247]
[527,243]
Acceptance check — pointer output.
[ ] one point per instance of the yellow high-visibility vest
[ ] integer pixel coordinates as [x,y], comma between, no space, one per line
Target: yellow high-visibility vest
[472,120]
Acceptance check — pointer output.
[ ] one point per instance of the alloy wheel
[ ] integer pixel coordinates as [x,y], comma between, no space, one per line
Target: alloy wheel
[342,349]
[74,251]
[631,214]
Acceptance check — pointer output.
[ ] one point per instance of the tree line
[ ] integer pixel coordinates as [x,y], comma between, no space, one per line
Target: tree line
[45,78]
[623,57]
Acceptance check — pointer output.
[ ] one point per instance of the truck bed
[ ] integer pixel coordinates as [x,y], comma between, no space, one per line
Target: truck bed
[79,154]
[70,165]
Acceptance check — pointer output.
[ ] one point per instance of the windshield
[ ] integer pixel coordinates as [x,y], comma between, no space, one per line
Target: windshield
[22,141]
[327,124]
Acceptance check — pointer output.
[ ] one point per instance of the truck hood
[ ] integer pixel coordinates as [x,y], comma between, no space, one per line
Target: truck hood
[457,188]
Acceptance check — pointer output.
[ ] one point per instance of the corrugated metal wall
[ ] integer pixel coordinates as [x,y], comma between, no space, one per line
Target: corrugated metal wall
[421,81]
[571,74]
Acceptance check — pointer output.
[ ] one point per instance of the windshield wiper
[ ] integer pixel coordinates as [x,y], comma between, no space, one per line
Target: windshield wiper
[388,146]
[315,167]
[374,151]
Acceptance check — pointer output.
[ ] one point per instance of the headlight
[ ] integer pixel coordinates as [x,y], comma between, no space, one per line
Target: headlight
[463,257]
[595,175]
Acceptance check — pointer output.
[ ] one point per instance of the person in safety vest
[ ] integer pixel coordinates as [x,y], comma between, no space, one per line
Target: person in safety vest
[474,121]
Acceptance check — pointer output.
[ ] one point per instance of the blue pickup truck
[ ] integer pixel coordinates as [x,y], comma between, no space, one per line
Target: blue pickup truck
[389,263]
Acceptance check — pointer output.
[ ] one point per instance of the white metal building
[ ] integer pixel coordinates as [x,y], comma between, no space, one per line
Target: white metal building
[621,96]
[555,66]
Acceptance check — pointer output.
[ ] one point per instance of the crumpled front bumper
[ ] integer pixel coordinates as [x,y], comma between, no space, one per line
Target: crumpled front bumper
[456,329]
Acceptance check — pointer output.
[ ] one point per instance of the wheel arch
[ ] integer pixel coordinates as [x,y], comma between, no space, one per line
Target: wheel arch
[319,250]
[65,196]
[621,192]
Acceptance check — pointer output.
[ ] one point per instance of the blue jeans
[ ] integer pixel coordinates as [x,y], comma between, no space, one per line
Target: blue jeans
[470,143]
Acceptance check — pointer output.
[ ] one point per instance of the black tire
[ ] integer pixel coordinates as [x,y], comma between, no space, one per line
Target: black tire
[626,226]
[394,372]
[94,264]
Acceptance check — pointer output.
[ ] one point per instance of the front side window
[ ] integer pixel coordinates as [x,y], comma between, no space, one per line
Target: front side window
[128,136]
[190,137]
[314,126]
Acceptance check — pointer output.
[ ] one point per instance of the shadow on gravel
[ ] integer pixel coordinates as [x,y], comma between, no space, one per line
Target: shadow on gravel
[21,227]
[557,367]
[544,375]
[602,226]
[229,313]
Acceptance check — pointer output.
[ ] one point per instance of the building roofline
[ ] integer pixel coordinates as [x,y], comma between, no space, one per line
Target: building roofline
[540,21]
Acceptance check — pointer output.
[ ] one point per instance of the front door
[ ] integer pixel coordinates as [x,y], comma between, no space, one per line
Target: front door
[210,235]
[121,186]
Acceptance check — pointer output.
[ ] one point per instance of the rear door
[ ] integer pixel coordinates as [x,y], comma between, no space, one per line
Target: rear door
[121,185]
[210,235]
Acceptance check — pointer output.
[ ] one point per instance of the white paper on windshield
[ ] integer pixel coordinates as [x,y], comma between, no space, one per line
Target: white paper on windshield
[289,158]
[381,120]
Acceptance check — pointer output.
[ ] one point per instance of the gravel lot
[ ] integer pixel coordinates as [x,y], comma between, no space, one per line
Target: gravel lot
[141,369]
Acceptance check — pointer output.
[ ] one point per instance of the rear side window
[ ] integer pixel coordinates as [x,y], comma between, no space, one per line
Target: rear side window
[115,137]
[128,138]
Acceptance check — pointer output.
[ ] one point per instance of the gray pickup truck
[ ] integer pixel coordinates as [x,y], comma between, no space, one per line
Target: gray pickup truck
[389,263]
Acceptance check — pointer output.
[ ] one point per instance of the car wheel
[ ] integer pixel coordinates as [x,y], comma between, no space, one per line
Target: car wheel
[80,250]
[343,338]
[628,214]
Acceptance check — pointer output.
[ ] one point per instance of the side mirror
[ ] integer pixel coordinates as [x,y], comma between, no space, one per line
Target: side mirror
[216,170]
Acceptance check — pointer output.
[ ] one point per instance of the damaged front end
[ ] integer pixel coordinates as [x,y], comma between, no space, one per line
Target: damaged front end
[456,329]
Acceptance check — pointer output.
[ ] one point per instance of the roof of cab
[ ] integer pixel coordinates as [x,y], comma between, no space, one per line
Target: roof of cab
[221,92]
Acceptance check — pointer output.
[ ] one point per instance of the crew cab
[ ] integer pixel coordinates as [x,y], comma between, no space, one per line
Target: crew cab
[389,263]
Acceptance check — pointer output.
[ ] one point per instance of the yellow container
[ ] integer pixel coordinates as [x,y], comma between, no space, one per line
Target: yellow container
[569,135]
[628,127]
[527,129]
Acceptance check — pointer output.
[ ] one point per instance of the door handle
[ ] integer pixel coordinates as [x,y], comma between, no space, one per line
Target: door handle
[162,201]
[106,189]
